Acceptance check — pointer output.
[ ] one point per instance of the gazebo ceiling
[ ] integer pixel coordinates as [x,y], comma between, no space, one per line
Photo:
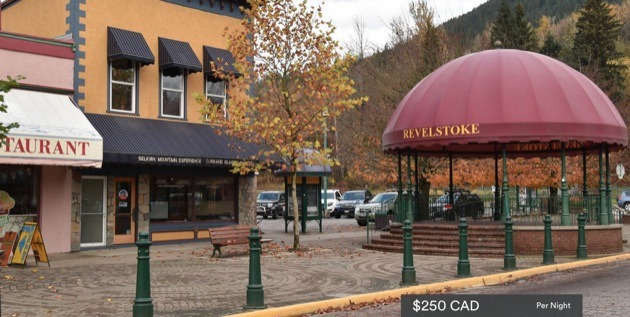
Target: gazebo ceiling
[473,105]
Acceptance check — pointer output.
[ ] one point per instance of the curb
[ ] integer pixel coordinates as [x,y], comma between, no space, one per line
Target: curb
[487,280]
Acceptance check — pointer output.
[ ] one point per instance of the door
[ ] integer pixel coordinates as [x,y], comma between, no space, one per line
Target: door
[125,225]
[93,211]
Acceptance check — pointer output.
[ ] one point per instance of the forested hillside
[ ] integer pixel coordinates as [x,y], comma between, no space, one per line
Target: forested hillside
[475,22]
[561,29]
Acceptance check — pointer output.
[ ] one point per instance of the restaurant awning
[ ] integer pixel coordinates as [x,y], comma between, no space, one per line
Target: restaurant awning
[222,59]
[527,101]
[129,140]
[53,131]
[123,44]
[178,54]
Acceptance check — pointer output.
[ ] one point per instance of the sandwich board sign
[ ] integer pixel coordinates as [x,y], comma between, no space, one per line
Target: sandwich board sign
[30,237]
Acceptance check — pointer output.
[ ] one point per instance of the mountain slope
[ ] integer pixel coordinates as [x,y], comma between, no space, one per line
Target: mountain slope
[474,22]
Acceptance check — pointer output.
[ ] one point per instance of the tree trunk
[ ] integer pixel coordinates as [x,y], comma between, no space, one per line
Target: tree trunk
[296,213]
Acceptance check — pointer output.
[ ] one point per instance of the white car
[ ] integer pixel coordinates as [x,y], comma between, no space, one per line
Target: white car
[333,197]
[383,203]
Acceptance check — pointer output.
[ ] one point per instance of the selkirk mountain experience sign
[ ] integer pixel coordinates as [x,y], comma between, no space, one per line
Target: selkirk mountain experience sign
[183,161]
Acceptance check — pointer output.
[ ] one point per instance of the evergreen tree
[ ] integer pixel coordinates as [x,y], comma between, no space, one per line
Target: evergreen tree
[594,49]
[551,47]
[502,27]
[523,33]
[512,29]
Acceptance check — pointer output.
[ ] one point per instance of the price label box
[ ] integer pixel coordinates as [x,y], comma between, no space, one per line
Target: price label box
[526,305]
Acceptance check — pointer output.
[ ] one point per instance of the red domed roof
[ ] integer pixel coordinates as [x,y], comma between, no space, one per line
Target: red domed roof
[526,100]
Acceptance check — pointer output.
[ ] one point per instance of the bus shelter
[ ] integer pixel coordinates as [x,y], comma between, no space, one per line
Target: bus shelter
[309,190]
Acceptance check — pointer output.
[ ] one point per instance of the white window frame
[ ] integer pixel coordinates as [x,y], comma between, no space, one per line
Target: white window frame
[133,89]
[182,92]
[224,96]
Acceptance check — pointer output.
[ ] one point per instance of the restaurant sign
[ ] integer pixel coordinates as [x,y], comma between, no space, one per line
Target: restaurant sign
[44,148]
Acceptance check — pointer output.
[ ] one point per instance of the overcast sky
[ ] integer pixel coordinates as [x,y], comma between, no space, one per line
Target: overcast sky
[376,15]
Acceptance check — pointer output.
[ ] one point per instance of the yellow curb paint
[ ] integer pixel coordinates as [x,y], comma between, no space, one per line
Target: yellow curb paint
[493,279]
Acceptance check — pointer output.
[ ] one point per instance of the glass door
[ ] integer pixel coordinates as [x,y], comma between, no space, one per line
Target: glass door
[93,211]
[124,226]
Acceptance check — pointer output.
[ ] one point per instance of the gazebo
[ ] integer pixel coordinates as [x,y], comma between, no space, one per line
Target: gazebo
[511,103]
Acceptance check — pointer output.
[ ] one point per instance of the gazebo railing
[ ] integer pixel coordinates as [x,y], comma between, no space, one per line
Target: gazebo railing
[529,209]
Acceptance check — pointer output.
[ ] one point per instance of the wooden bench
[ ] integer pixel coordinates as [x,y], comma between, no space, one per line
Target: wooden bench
[230,235]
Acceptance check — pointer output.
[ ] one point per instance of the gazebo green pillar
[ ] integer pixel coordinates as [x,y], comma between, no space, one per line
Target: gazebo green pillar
[611,218]
[409,201]
[416,190]
[565,219]
[584,181]
[399,207]
[509,260]
[603,211]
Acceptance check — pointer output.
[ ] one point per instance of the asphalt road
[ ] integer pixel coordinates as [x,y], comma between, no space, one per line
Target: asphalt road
[605,290]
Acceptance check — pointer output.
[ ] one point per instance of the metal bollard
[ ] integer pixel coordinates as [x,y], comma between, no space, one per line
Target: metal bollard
[143,304]
[367,225]
[548,253]
[463,265]
[408,270]
[255,292]
[581,247]
[509,260]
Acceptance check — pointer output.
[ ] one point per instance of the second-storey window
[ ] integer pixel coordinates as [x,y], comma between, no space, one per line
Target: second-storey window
[216,93]
[173,91]
[122,86]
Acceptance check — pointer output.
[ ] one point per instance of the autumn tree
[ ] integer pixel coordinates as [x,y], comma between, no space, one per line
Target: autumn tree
[292,72]
[5,87]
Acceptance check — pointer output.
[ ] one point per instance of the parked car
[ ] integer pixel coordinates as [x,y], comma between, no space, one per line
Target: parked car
[383,203]
[332,198]
[349,201]
[270,203]
[623,200]
[465,204]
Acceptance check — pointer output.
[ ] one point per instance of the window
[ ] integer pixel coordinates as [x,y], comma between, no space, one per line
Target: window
[122,86]
[192,199]
[19,190]
[172,98]
[216,93]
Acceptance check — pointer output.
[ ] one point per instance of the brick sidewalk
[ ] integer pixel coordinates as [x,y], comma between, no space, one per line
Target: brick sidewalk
[185,281]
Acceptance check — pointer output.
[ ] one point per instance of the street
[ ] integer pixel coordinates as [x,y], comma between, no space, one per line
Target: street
[604,289]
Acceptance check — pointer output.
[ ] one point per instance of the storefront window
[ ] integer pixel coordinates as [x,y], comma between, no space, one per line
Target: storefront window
[198,199]
[19,190]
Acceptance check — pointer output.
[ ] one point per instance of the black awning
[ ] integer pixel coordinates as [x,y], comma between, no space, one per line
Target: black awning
[131,140]
[123,44]
[222,59]
[177,54]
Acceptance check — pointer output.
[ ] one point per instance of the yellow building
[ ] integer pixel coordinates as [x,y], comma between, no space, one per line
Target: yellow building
[137,65]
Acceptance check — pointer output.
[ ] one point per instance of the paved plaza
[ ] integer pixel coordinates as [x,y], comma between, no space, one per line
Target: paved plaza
[186,281]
